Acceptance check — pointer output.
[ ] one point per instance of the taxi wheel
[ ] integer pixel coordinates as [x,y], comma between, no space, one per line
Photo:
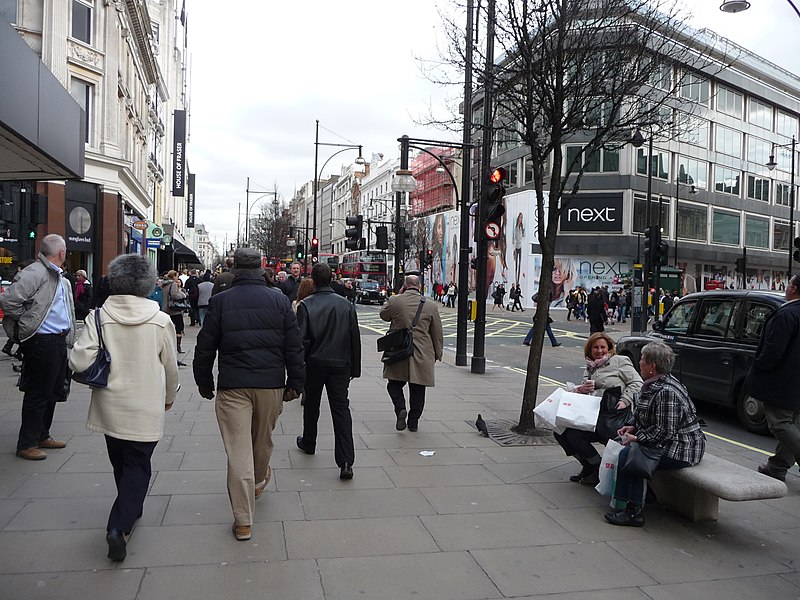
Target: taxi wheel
[751,413]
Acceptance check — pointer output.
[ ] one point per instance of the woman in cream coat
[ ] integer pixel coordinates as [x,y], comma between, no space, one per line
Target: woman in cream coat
[142,384]
[604,370]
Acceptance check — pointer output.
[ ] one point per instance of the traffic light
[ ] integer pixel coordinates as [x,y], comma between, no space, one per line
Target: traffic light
[662,254]
[354,232]
[429,258]
[740,265]
[382,237]
[314,249]
[300,252]
[406,241]
[31,231]
[652,238]
[473,262]
[493,193]
[796,253]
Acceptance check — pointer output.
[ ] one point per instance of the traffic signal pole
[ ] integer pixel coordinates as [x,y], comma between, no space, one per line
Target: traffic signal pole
[479,339]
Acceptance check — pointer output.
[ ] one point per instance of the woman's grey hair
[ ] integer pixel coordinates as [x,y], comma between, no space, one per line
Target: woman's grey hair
[132,275]
[659,355]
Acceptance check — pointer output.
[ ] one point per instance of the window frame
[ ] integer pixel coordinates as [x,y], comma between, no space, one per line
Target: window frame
[729,149]
[738,192]
[749,242]
[726,93]
[758,183]
[86,102]
[754,102]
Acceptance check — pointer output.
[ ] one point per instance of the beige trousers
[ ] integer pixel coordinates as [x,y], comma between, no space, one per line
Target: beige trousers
[246,418]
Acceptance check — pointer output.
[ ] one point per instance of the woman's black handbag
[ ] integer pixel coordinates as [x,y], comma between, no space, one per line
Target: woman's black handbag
[642,460]
[398,344]
[177,304]
[96,376]
[611,419]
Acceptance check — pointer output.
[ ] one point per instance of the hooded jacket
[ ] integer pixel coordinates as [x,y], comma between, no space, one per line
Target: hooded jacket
[143,378]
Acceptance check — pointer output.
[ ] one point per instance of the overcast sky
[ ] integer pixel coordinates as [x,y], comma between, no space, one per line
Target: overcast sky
[257,88]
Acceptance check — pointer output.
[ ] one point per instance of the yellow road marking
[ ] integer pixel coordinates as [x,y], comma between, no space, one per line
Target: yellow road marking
[494,333]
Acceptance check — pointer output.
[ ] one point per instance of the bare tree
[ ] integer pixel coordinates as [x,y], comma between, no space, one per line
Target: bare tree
[592,73]
[270,228]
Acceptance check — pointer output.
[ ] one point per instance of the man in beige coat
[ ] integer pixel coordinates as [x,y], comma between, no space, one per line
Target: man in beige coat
[417,370]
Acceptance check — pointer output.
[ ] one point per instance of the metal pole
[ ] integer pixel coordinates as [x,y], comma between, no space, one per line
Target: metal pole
[791,213]
[306,246]
[648,256]
[677,212]
[466,187]
[247,214]
[398,223]
[479,338]
[657,268]
[316,175]
[239,226]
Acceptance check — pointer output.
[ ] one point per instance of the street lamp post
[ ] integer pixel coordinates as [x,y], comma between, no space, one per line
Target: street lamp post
[638,141]
[692,190]
[359,161]
[402,183]
[771,165]
[248,191]
[735,6]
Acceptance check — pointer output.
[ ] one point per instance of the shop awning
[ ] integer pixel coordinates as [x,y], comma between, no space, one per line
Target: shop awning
[184,254]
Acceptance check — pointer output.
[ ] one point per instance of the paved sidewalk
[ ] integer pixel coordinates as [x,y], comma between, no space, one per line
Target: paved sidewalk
[475,520]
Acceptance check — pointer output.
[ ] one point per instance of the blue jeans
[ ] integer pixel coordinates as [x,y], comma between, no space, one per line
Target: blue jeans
[547,330]
[629,488]
[622,312]
[202,310]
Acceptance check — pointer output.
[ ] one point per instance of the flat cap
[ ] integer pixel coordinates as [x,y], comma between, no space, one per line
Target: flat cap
[246,258]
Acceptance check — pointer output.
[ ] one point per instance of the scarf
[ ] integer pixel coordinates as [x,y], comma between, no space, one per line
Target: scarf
[596,364]
[78,290]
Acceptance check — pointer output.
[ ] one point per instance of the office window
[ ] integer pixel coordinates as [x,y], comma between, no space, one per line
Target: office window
[692,221]
[693,172]
[640,213]
[729,102]
[728,141]
[529,169]
[695,88]
[758,151]
[83,93]
[693,130]
[756,232]
[727,180]
[759,114]
[783,193]
[8,8]
[781,239]
[659,163]
[660,76]
[725,228]
[785,125]
[758,188]
[82,20]
[604,161]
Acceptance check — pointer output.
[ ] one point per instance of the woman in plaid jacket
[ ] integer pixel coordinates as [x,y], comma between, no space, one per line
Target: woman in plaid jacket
[666,419]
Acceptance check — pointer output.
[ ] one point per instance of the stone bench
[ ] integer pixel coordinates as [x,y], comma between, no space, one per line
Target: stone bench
[694,492]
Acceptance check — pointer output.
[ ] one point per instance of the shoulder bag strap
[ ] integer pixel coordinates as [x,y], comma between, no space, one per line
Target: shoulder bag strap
[99,328]
[419,310]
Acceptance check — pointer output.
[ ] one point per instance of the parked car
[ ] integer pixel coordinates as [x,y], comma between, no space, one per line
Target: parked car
[369,291]
[714,335]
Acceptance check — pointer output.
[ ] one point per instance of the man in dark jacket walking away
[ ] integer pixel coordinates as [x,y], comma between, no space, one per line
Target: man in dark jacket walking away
[773,380]
[597,311]
[332,341]
[254,330]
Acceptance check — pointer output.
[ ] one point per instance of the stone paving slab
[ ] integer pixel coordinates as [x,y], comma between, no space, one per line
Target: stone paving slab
[441,475]
[741,588]
[442,575]
[79,513]
[286,580]
[198,509]
[483,498]
[118,584]
[356,504]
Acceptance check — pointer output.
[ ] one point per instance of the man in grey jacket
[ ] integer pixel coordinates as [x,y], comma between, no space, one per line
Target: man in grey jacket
[39,312]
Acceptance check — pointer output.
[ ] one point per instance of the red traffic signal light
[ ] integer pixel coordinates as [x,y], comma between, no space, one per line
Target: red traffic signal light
[498,175]
[314,242]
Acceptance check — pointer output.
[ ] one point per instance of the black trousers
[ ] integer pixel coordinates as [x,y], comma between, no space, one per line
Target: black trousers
[416,399]
[44,374]
[336,381]
[131,462]
[578,443]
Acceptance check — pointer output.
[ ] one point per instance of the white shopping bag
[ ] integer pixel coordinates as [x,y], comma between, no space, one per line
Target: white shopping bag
[546,410]
[608,468]
[578,411]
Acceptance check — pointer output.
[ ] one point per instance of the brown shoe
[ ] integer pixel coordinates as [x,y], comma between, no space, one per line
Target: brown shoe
[31,454]
[52,444]
[242,532]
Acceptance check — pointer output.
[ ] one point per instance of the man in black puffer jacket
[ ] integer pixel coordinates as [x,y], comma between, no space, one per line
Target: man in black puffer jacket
[332,341]
[254,330]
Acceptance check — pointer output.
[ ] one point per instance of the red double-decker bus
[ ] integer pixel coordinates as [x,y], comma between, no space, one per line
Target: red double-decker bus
[362,264]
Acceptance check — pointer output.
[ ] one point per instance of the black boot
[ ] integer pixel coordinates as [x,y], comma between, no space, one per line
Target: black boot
[593,477]
[632,516]
[586,470]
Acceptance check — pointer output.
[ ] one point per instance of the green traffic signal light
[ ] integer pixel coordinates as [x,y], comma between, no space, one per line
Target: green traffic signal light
[32,234]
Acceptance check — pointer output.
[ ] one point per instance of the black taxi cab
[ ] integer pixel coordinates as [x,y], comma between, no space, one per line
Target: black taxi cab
[714,335]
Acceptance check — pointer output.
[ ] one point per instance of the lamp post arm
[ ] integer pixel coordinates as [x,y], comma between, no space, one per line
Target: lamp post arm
[322,170]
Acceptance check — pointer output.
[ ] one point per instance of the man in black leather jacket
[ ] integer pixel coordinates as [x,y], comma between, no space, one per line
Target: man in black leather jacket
[332,341]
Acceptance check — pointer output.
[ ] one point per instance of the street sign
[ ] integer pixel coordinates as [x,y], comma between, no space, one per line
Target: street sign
[140,225]
[492,230]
